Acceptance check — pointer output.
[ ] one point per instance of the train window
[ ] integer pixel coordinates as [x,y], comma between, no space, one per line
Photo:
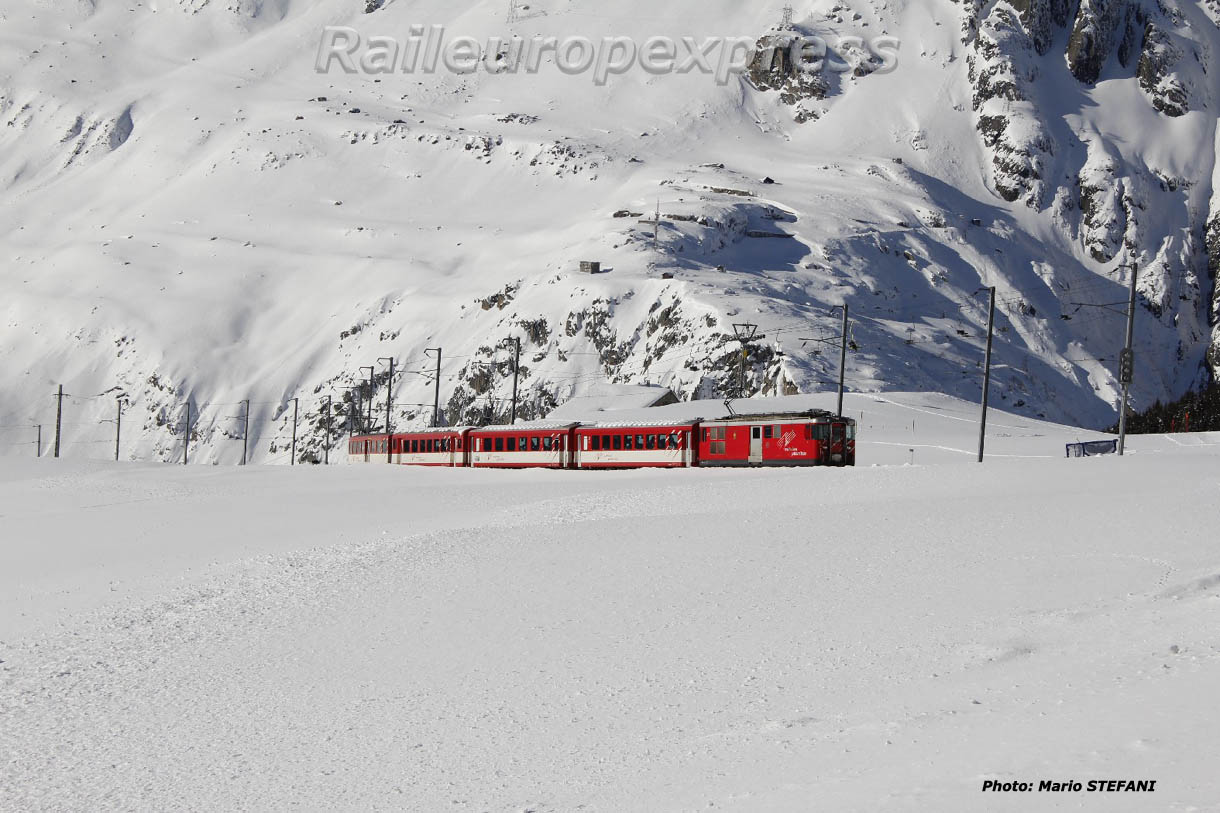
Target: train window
[851,431]
[674,440]
[548,444]
[777,431]
[652,442]
[639,441]
[512,444]
[628,442]
[618,442]
[596,443]
[717,447]
[524,445]
[535,444]
[499,444]
[705,433]
[718,433]
[766,432]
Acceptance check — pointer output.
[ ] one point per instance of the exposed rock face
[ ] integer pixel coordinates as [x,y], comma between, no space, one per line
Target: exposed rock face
[1213,266]
[1041,18]
[775,68]
[1157,60]
[1093,34]
[1104,214]
[1000,68]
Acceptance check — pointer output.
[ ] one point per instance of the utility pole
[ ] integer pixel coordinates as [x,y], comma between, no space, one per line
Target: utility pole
[389,401]
[843,340]
[295,403]
[186,437]
[352,412]
[656,226]
[326,444]
[516,372]
[368,426]
[38,442]
[843,354]
[987,375]
[744,333]
[245,433]
[1127,363]
[59,417]
[436,395]
[118,427]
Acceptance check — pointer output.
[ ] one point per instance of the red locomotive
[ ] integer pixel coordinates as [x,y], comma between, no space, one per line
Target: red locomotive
[814,438]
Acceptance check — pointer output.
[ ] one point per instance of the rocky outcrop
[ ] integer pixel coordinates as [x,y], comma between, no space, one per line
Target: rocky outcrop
[1103,205]
[1093,37]
[1042,18]
[1001,66]
[1213,266]
[1158,57]
[776,69]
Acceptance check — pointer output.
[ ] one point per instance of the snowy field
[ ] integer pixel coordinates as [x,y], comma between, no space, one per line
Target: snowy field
[881,638]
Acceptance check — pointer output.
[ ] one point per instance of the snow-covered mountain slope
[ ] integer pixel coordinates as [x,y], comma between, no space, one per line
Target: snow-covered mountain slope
[189,211]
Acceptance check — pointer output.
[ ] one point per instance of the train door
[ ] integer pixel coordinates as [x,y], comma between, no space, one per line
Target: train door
[838,438]
[756,449]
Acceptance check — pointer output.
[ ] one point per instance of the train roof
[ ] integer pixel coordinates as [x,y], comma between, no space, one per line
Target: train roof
[532,426]
[809,414]
[639,424]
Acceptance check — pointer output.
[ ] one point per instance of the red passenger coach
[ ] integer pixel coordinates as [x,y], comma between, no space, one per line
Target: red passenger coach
[794,439]
[810,439]
[525,446]
[443,447]
[635,445]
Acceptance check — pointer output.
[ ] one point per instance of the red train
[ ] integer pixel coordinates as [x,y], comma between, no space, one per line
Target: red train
[814,438]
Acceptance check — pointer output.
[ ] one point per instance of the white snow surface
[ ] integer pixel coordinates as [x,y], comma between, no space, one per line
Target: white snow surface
[381,638]
[182,220]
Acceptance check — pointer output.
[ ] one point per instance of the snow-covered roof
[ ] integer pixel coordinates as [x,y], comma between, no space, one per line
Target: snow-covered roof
[532,426]
[638,424]
[604,397]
